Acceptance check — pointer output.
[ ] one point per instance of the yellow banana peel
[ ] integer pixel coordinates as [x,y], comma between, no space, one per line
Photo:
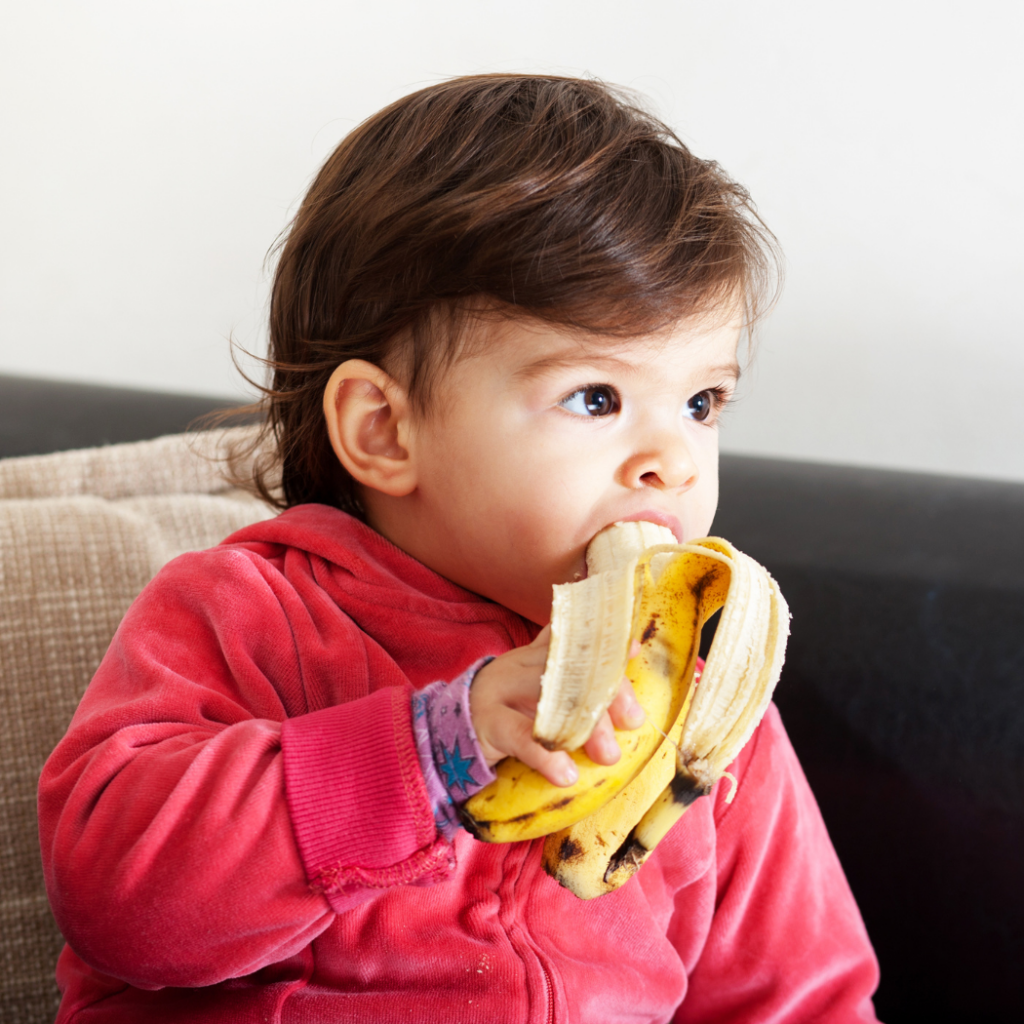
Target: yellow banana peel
[602,828]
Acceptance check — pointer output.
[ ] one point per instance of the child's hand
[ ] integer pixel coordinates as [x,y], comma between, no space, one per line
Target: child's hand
[503,701]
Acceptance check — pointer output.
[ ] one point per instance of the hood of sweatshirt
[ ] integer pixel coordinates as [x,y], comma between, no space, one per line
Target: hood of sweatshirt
[412,612]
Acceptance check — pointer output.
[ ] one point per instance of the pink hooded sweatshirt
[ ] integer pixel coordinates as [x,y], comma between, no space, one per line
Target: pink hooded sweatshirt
[236,828]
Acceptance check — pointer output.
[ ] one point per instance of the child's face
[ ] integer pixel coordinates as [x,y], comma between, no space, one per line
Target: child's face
[542,439]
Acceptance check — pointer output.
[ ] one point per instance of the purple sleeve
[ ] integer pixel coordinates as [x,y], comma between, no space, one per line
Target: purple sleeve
[453,764]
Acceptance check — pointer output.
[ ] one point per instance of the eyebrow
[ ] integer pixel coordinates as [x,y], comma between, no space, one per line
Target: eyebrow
[564,361]
[729,370]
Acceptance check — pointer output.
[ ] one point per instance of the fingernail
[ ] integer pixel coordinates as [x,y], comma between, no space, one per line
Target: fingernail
[610,750]
[569,774]
[635,715]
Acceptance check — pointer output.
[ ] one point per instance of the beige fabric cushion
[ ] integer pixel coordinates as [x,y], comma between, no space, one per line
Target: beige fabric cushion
[81,533]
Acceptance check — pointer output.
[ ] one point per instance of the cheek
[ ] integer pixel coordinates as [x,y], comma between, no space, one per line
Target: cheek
[486,473]
[705,494]
[706,510]
[529,489]
[535,491]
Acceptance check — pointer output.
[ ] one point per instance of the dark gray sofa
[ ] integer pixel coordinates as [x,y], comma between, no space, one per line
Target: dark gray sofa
[903,689]
[903,692]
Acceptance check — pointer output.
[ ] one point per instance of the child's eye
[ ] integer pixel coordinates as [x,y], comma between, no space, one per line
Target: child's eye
[704,404]
[594,400]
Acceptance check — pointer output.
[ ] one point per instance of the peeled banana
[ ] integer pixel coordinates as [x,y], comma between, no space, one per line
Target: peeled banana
[641,584]
[604,850]
[580,680]
[591,626]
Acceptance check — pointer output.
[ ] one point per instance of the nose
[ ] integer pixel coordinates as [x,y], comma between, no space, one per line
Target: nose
[663,462]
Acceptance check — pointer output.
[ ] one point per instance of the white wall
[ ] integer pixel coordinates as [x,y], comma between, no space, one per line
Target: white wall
[151,153]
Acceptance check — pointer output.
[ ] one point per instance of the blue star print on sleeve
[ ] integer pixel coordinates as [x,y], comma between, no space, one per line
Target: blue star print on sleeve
[456,768]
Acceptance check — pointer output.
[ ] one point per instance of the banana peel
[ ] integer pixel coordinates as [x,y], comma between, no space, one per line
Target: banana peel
[601,829]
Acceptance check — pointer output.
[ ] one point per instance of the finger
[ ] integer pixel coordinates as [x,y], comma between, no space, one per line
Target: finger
[520,689]
[602,747]
[536,652]
[634,648]
[625,711]
[555,765]
[532,656]
[511,678]
[543,638]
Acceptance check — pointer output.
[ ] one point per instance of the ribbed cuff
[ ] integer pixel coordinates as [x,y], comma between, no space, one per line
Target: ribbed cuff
[358,804]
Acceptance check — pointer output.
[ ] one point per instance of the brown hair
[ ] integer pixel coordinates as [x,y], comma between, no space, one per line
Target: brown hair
[554,198]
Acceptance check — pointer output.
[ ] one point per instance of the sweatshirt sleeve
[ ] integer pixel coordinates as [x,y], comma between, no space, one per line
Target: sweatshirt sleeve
[786,943]
[201,819]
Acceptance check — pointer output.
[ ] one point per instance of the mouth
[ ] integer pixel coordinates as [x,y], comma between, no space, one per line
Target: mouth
[581,572]
[650,515]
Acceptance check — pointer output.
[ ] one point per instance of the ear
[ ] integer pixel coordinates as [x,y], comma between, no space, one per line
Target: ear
[369,421]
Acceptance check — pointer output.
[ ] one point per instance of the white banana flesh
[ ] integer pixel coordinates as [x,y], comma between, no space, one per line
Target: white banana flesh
[619,544]
[591,628]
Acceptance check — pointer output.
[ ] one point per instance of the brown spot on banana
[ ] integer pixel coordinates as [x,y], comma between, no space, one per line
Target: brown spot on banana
[570,849]
[650,629]
[625,862]
[685,789]
[670,805]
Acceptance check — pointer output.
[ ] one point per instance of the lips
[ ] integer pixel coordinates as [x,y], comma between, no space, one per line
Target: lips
[650,515]
[647,515]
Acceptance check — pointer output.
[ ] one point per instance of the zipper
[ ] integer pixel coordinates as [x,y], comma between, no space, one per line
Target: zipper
[523,941]
[549,990]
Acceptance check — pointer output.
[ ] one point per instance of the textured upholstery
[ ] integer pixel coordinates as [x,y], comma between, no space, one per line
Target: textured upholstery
[81,533]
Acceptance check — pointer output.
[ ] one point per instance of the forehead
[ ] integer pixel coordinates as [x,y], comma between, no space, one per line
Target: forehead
[523,351]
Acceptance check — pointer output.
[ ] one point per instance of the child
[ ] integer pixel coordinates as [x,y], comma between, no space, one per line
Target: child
[506,316]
